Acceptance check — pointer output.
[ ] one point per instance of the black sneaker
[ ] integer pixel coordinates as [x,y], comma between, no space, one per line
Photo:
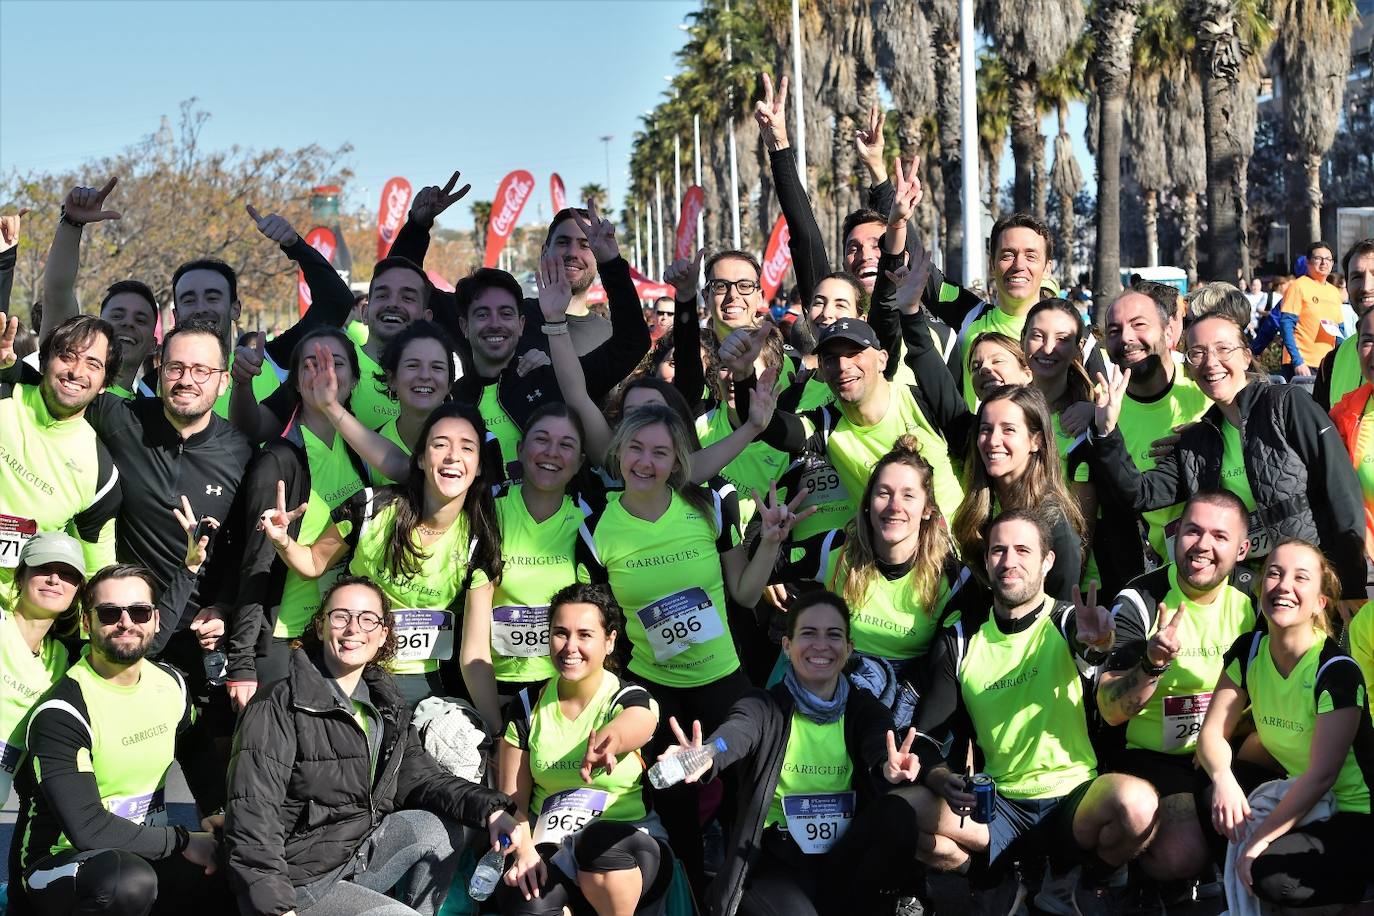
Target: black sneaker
[1091,898]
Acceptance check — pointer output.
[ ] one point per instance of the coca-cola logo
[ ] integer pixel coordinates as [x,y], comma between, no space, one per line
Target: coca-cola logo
[516,193]
[779,258]
[692,204]
[323,241]
[394,203]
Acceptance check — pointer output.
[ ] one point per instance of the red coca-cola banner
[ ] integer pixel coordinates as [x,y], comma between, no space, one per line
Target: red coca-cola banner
[391,213]
[558,193]
[692,204]
[776,259]
[510,199]
[322,240]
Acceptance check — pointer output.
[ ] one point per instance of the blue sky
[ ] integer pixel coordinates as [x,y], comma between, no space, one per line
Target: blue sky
[418,88]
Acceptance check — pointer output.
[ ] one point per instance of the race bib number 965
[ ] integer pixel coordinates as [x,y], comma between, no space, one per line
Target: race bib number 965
[568,812]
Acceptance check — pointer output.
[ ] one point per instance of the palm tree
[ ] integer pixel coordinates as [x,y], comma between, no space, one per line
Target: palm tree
[944,19]
[1181,104]
[1220,54]
[1113,26]
[1314,64]
[1157,48]
[1058,87]
[903,44]
[1029,35]
[593,194]
[481,222]
[993,120]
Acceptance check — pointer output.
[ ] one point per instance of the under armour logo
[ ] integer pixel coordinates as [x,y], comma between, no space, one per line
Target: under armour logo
[211,490]
[537,394]
[844,325]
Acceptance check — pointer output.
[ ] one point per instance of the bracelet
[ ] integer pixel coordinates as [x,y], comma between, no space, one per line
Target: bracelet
[183,839]
[555,329]
[64,218]
[1153,670]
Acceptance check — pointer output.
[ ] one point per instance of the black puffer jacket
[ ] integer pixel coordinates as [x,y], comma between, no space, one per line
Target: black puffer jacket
[300,797]
[1298,468]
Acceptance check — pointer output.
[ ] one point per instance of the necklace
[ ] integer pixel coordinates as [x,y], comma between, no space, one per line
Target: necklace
[432,532]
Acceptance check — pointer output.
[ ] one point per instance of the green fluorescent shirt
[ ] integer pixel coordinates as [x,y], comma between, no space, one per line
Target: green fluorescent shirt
[1171,720]
[854,449]
[264,383]
[1065,443]
[54,476]
[391,433]
[667,576]
[1141,423]
[499,423]
[993,319]
[1024,696]
[889,621]
[1346,375]
[1285,709]
[333,479]
[538,562]
[1233,475]
[372,403]
[25,677]
[556,746]
[756,468]
[440,581]
[816,762]
[129,754]
[1361,635]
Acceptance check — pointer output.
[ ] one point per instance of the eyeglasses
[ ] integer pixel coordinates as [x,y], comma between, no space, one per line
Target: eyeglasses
[368,621]
[1321,259]
[1223,352]
[200,374]
[664,314]
[721,287]
[111,614]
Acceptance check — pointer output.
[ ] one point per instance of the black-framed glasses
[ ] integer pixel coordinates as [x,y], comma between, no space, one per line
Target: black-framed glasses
[199,374]
[1322,259]
[664,314]
[111,614]
[721,287]
[1223,352]
[368,621]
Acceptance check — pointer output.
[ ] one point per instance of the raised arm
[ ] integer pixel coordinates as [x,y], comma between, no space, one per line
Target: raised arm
[81,207]
[331,301]
[309,562]
[611,363]
[554,295]
[690,376]
[319,388]
[746,575]
[412,242]
[805,239]
[709,461]
[10,225]
[883,315]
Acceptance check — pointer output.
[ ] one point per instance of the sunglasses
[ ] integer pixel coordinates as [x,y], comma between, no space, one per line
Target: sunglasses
[110,614]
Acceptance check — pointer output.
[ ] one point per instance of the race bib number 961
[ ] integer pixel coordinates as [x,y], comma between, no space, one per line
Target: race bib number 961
[424,635]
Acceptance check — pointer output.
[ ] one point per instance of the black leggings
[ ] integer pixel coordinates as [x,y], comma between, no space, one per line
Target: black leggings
[678,807]
[112,882]
[603,846]
[1321,864]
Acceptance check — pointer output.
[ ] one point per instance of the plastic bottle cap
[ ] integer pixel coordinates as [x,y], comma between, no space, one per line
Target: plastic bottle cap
[720,745]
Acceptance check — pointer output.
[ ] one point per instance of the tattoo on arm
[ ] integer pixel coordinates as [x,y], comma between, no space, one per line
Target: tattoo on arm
[1129,691]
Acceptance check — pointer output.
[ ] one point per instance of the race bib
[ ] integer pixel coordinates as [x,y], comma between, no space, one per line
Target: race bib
[1331,328]
[148,809]
[676,623]
[520,632]
[816,822]
[568,812]
[14,534]
[9,757]
[424,635]
[823,485]
[1183,720]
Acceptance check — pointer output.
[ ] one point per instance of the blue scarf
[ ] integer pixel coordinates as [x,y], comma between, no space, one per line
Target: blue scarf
[820,711]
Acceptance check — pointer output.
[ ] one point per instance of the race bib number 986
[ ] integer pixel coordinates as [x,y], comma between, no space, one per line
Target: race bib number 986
[681,620]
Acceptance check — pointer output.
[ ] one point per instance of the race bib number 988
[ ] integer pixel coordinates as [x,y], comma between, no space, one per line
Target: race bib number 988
[520,632]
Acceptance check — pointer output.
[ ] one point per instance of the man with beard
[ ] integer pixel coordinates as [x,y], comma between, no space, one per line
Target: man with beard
[1173,626]
[55,473]
[1339,373]
[491,317]
[202,290]
[92,834]
[1009,681]
[1139,332]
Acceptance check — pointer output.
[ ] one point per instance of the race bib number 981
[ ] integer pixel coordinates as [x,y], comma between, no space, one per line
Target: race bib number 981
[816,822]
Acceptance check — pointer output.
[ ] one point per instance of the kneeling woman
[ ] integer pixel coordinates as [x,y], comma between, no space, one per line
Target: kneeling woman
[570,759]
[813,832]
[333,801]
[1311,714]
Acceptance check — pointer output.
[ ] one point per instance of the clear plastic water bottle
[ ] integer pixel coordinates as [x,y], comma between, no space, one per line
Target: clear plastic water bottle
[488,872]
[669,771]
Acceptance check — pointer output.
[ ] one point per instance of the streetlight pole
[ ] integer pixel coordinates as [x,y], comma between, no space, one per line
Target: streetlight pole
[606,143]
[968,108]
[658,201]
[696,153]
[797,95]
[730,126]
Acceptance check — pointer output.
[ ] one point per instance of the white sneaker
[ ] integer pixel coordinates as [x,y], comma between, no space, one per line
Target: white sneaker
[1056,893]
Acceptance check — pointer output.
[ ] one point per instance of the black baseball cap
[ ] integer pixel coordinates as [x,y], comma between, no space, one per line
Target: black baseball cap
[853,330]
